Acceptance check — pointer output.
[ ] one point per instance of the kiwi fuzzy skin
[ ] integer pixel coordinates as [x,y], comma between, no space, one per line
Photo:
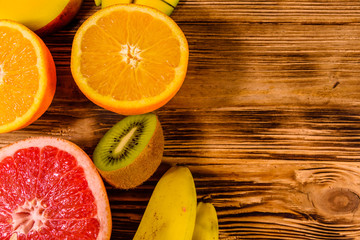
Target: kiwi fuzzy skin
[142,168]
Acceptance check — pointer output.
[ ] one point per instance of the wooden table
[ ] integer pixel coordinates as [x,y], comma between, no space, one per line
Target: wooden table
[268,118]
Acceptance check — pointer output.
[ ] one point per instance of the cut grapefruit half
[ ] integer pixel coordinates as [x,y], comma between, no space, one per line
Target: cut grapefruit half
[50,189]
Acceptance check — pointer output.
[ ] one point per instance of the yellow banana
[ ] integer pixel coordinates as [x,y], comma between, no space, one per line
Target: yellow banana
[106,3]
[172,2]
[165,6]
[97,2]
[161,5]
[171,211]
[206,225]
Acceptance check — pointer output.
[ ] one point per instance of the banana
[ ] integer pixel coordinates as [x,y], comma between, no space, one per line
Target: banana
[165,6]
[106,3]
[206,226]
[160,5]
[97,2]
[172,2]
[171,211]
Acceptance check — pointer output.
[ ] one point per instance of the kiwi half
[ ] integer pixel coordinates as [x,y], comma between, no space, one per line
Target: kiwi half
[131,151]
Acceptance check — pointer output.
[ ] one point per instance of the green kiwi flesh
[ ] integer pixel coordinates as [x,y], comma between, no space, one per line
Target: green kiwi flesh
[124,142]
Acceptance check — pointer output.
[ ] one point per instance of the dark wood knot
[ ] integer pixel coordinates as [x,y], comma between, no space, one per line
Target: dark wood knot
[340,200]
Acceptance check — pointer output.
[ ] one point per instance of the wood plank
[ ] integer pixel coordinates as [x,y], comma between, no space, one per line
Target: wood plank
[284,200]
[267,118]
[261,11]
[227,136]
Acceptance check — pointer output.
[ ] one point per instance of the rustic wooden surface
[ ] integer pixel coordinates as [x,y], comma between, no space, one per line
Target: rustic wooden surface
[267,119]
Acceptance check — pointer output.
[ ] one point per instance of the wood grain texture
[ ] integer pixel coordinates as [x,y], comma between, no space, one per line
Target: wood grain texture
[267,119]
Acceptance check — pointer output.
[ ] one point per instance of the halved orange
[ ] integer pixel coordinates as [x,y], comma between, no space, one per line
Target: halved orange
[129,59]
[27,76]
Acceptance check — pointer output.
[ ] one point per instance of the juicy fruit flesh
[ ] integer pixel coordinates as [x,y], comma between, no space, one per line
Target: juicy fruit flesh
[119,148]
[140,67]
[18,60]
[124,142]
[23,11]
[44,193]
[29,216]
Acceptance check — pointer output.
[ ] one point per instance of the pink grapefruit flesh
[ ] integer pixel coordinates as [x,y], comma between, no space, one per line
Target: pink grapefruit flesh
[50,189]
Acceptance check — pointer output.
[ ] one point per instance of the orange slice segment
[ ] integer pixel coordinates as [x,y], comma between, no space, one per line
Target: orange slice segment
[129,59]
[27,76]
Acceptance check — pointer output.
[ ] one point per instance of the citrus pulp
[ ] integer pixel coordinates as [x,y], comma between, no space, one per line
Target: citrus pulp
[27,76]
[129,58]
[50,189]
